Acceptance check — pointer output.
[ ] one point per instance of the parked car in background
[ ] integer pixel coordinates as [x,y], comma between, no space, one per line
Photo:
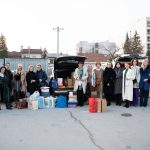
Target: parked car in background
[128,58]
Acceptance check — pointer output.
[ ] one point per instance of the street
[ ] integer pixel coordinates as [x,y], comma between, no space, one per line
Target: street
[75,129]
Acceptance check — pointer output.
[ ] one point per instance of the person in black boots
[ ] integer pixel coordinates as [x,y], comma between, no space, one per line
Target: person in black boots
[127,85]
[108,83]
[80,76]
[9,74]
[144,83]
[41,77]
[5,95]
[118,83]
[31,80]
[16,86]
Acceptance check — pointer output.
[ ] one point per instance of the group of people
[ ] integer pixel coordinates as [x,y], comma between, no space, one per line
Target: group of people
[128,83]
[14,86]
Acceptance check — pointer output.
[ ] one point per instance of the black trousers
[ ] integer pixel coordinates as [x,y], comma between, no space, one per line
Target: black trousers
[16,95]
[144,97]
[88,90]
[118,99]
[80,97]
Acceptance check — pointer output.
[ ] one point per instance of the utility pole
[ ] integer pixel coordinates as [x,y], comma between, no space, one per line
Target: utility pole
[58,29]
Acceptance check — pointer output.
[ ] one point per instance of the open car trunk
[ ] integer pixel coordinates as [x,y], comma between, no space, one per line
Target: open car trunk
[64,68]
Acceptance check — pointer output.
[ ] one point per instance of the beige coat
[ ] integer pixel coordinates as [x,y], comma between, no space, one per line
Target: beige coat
[127,88]
[83,80]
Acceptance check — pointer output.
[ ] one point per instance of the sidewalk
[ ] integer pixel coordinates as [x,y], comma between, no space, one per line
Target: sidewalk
[75,129]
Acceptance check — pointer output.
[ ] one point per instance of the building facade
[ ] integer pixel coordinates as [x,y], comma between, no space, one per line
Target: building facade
[31,53]
[104,47]
[142,26]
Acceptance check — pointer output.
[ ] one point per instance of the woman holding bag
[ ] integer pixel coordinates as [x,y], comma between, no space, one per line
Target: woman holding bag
[80,76]
[31,80]
[136,70]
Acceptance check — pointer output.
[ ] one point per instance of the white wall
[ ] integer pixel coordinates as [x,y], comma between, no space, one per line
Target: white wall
[31,55]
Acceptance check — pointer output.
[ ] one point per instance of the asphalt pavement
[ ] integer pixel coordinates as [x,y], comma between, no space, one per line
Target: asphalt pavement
[75,129]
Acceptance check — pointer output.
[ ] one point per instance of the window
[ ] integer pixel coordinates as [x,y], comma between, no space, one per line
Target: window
[96,51]
[148,38]
[80,50]
[96,45]
[148,31]
[148,23]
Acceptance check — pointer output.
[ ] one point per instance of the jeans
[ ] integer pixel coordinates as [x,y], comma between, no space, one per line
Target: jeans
[144,97]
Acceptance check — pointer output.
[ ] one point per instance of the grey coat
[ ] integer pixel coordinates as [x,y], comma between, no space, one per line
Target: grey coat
[118,81]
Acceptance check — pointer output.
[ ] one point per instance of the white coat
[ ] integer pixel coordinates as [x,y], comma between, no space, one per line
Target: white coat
[83,80]
[127,89]
[136,71]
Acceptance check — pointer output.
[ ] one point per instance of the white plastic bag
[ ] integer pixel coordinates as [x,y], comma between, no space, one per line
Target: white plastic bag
[34,95]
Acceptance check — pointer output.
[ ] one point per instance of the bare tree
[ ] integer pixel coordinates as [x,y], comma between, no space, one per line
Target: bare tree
[111,49]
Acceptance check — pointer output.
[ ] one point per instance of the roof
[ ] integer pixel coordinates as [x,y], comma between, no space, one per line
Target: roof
[93,57]
[31,51]
[14,54]
[54,55]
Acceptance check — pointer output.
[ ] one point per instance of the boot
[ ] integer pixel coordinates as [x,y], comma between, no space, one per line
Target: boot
[127,104]
[8,106]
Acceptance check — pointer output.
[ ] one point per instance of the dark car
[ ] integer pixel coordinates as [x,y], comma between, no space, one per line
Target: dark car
[128,58]
[64,68]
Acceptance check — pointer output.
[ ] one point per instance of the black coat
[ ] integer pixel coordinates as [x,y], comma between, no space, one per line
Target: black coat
[9,74]
[31,86]
[118,81]
[4,89]
[108,80]
[43,76]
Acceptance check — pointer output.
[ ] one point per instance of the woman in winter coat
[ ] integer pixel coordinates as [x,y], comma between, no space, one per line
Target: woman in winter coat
[97,80]
[118,83]
[80,76]
[144,83]
[31,80]
[108,83]
[127,85]
[23,86]
[136,70]
[89,81]
[4,88]
[19,70]
[16,86]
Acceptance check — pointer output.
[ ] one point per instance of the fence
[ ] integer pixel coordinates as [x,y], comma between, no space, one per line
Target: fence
[1,62]
[25,62]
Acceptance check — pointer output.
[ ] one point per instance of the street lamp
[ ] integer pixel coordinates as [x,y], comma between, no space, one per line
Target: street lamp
[58,29]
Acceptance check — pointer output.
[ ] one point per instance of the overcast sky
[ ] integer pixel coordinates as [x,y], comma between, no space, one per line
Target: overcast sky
[31,22]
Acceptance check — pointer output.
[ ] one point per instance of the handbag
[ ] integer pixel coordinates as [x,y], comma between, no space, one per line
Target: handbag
[134,81]
[22,103]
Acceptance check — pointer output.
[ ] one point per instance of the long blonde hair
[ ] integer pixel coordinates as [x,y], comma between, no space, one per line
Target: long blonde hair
[30,67]
[143,65]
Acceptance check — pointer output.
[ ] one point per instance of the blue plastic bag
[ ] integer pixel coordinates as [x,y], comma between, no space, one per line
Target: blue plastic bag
[41,103]
[61,102]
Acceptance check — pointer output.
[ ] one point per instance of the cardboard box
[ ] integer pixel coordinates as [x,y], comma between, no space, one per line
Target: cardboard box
[102,105]
[70,82]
